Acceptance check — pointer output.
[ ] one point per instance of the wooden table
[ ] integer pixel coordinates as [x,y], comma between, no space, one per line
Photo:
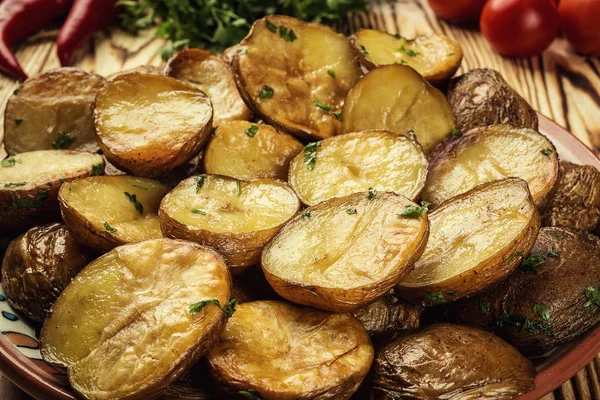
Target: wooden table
[560,84]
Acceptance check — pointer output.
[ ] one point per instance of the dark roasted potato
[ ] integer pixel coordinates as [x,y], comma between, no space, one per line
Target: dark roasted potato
[388,315]
[444,361]
[37,266]
[482,97]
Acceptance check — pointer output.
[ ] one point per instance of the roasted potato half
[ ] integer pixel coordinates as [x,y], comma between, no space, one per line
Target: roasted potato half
[148,124]
[52,111]
[245,150]
[128,324]
[146,69]
[213,76]
[397,99]
[295,75]
[445,361]
[488,153]
[388,316]
[357,162]
[344,253]
[552,298]
[436,57]
[282,351]
[106,211]
[29,184]
[37,266]
[473,242]
[482,97]
[235,217]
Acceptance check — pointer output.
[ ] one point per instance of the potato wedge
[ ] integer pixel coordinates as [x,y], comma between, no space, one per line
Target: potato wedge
[388,316]
[106,211]
[149,124]
[213,76]
[445,361]
[397,99]
[488,153]
[357,162]
[235,217]
[287,352]
[52,111]
[246,150]
[473,241]
[295,75]
[29,184]
[436,57]
[346,252]
[124,326]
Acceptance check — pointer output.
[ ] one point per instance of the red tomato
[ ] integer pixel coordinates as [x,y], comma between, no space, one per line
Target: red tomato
[457,10]
[580,22]
[520,28]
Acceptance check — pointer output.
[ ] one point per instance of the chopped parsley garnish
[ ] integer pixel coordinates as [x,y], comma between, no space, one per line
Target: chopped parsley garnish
[522,323]
[28,202]
[557,235]
[252,131]
[18,121]
[592,296]
[238,187]
[337,115]
[133,198]
[532,262]
[403,61]
[455,132]
[371,194]
[196,211]
[228,309]
[109,228]
[251,394]
[402,49]
[437,298]
[272,27]
[266,92]
[484,307]
[13,185]
[322,106]
[200,182]
[449,54]
[553,253]
[243,51]
[331,72]
[546,152]
[351,211]
[63,140]
[306,215]
[97,169]
[9,162]
[140,187]
[363,49]
[310,155]
[515,255]
[415,211]
[287,34]
[541,311]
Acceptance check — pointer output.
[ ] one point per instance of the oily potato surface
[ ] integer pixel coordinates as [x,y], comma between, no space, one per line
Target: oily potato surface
[357,162]
[148,124]
[346,252]
[283,351]
[245,150]
[123,326]
[283,75]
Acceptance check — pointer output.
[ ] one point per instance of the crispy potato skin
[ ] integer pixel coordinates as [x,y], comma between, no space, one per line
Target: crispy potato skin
[445,361]
[482,97]
[559,285]
[37,266]
[146,69]
[577,199]
[333,351]
[388,316]
[55,101]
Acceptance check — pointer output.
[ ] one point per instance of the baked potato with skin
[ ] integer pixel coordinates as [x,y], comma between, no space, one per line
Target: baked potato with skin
[396,98]
[37,266]
[357,162]
[146,69]
[287,352]
[52,111]
[551,299]
[473,241]
[577,199]
[445,361]
[436,57]
[103,212]
[124,327]
[488,153]
[388,316]
[237,218]
[214,77]
[295,75]
[29,184]
[482,97]
[149,124]
[246,150]
[345,253]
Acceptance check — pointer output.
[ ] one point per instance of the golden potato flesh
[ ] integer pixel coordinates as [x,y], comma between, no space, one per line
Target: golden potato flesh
[346,252]
[436,57]
[356,162]
[489,153]
[473,242]
[106,211]
[246,150]
[148,124]
[396,98]
[124,328]
[235,217]
[287,352]
[213,76]
[296,75]
[52,111]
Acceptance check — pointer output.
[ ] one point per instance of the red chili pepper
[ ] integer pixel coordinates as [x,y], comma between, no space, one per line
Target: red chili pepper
[85,18]
[21,18]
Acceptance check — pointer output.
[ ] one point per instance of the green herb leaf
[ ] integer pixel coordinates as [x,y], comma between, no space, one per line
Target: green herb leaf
[553,253]
[252,131]
[306,215]
[228,309]
[557,235]
[310,155]
[200,182]
[363,50]
[13,185]
[351,211]
[238,186]
[288,35]
[408,52]
[133,198]
[18,121]
[251,394]
[514,255]
[322,106]
[532,262]
[337,115]
[9,162]
[63,140]
[592,297]
[109,228]
[97,169]
[139,187]
[449,54]
[484,307]
[415,211]
[271,26]
[522,323]
[243,51]
[266,92]
[196,211]
[371,194]
[331,72]
[546,152]
[541,311]
[455,132]
[435,298]
[28,202]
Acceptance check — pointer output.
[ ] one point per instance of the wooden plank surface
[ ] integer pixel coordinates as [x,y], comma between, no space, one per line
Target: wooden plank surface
[559,83]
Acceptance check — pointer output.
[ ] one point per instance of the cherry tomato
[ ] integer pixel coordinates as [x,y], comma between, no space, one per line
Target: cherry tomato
[579,21]
[457,10]
[520,28]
